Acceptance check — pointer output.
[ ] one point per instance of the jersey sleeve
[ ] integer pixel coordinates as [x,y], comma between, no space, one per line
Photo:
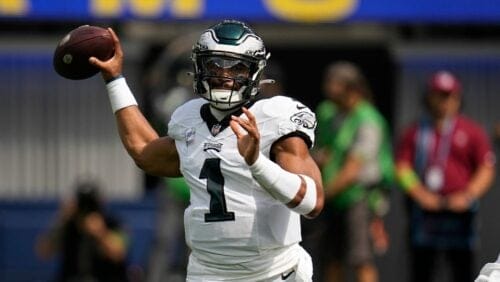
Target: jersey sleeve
[292,118]
[174,130]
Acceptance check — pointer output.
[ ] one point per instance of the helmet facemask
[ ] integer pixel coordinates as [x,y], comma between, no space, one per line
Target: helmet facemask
[226,80]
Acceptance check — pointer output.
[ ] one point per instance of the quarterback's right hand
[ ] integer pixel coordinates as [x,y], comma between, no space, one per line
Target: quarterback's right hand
[111,68]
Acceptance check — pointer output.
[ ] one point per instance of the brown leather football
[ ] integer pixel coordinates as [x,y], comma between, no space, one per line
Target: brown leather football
[71,57]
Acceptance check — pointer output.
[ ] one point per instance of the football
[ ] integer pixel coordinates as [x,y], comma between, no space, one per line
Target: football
[71,56]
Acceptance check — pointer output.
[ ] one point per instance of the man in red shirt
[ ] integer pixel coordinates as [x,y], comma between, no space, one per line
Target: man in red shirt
[445,164]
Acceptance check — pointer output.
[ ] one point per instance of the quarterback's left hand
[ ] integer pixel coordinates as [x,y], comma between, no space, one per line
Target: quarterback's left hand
[248,142]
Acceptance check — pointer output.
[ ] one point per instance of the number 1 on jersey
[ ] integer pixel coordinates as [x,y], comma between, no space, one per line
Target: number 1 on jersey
[215,187]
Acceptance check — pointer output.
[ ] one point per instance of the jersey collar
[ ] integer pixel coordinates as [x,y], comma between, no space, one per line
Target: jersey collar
[215,126]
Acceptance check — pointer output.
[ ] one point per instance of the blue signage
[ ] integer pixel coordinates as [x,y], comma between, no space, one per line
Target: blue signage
[313,11]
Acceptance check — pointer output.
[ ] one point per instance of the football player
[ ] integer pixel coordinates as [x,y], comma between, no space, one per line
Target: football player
[246,161]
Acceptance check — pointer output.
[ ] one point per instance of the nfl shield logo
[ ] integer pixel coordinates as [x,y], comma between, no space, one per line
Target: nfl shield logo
[215,129]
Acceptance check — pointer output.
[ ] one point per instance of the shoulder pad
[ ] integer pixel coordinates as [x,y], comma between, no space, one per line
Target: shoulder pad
[292,116]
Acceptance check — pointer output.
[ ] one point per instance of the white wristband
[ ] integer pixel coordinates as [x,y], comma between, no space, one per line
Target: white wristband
[281,184]
[120,95]
[308,203]
[284,185]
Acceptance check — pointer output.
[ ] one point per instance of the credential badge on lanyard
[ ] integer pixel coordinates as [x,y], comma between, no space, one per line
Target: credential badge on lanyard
[436,165]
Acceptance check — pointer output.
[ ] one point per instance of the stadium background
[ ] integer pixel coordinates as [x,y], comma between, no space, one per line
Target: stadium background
[54,131]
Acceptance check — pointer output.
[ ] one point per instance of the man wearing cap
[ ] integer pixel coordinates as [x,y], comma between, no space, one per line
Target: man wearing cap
[445,164]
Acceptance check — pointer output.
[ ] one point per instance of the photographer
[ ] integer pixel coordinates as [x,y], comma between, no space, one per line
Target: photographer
[91,244]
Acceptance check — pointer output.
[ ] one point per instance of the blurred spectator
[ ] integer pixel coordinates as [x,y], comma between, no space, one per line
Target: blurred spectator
[445,164]
[90,243]
[354,154]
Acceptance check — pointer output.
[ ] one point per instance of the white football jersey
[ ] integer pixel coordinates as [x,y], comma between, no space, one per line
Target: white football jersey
[234,226]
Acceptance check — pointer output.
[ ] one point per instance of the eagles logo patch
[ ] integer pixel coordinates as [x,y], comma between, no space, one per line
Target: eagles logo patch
[304,119]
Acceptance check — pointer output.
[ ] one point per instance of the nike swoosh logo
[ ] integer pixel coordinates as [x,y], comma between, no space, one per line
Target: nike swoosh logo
[284,276]
[299,107]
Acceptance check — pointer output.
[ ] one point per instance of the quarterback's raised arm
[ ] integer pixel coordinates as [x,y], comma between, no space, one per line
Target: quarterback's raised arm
[155,155]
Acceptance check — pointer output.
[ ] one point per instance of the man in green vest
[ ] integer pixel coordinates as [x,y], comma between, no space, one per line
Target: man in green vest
[355,155]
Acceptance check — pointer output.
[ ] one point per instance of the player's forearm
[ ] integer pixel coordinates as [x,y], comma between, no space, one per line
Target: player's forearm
[134,130]
[297,191]
[156,156]
[314,172]
[305,166]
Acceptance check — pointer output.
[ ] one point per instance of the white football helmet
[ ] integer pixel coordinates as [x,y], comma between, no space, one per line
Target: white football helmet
[228,59]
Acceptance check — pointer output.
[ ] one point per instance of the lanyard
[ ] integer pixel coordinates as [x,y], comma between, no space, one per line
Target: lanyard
[444,147]
[425,140]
